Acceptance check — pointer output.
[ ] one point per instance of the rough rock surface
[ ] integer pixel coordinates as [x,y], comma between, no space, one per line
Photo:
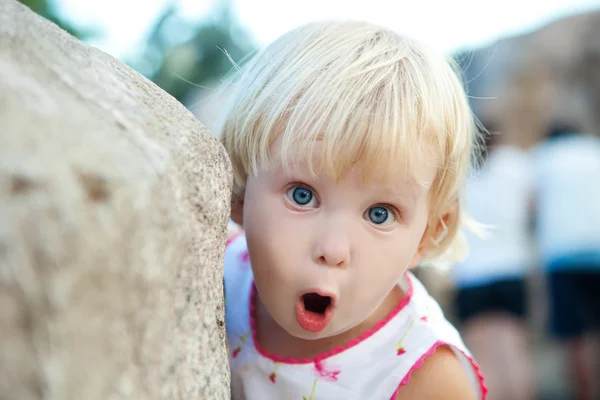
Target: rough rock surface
[113,208]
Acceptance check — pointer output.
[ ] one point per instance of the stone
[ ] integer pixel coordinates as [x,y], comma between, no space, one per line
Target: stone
[114,203]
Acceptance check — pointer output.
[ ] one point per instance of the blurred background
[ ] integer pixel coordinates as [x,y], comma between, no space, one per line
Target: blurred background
[527,299]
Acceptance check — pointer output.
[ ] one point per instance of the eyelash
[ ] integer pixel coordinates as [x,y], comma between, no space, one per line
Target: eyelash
[394,210]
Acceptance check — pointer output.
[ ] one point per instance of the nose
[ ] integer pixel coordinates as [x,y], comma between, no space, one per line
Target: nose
[332,246]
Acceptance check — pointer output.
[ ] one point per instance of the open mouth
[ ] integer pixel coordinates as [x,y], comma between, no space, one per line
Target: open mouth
[316,303]
[314,311]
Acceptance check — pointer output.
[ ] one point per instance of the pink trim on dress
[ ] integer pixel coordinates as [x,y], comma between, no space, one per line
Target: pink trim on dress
[337,350]
[430,352]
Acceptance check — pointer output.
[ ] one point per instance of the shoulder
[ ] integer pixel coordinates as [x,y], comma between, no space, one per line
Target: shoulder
[441,377]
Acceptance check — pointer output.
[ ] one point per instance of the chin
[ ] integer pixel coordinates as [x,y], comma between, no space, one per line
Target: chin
[308,336]
[330,331]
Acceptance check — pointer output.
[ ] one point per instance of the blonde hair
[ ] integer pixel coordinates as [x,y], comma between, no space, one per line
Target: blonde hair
[367,94]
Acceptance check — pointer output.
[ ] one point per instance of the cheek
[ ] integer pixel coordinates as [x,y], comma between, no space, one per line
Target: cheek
[257,201]
[273,232]
[263,212]
[388,256]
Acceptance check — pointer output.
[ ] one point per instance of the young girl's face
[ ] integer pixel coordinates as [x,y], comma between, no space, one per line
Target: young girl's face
[325,254]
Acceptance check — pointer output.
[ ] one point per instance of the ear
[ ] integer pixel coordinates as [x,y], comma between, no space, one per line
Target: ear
[237,209]
[424,245]
[433,235]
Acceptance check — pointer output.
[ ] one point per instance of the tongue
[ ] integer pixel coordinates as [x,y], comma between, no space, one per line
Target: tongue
[311,321]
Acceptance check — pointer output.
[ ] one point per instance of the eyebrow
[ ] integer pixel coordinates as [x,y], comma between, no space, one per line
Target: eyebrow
[409,188]
[406,201]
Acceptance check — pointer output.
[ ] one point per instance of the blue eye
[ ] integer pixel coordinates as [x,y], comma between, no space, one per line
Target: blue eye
[301,196]
[380,215]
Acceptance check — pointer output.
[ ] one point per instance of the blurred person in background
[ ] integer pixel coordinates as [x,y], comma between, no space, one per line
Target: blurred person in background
[567,164]
[491,293]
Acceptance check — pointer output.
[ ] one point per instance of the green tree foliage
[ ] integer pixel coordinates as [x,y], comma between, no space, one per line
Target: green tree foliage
[181,55]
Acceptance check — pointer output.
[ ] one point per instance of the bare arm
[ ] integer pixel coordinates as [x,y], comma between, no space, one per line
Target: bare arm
[441,377]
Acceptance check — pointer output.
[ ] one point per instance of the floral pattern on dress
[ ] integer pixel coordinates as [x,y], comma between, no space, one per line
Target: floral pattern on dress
[237,350]
[324,373]
[399,345]
[273,376]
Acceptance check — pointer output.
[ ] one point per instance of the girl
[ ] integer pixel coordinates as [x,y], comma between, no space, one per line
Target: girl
[349,145]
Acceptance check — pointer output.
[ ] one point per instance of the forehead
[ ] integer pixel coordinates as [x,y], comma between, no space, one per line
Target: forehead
[397,177]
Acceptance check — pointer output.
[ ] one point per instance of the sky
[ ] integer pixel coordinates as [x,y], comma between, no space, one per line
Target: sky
[446,25]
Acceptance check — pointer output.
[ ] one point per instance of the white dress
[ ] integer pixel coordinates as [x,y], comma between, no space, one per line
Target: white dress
[372,367]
